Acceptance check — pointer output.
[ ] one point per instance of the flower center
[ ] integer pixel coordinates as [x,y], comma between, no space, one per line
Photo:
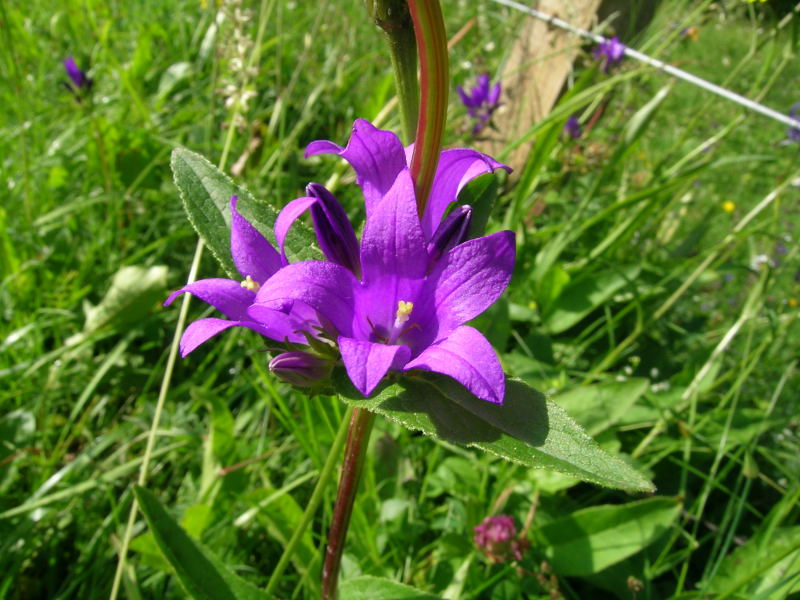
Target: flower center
[251,285]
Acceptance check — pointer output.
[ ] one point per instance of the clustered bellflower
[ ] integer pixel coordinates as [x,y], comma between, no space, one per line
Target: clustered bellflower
[481,101]
[610,52]
[397,301]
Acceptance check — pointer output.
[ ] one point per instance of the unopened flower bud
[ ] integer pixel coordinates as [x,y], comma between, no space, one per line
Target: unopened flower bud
[451,232]
[336,237]
[300,368]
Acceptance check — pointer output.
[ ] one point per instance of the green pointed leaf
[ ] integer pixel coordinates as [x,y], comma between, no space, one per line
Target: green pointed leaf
[206,194]
[376,588]
[527,429]
[202,574]
[589,540]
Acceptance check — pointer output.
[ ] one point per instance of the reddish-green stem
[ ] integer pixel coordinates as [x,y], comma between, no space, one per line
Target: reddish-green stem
[434,84]
[354,454]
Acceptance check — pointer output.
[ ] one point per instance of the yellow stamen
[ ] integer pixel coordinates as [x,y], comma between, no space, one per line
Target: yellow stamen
[249,284]
[403,311]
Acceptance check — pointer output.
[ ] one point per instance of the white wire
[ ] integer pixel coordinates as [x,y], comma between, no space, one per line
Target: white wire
[653,62]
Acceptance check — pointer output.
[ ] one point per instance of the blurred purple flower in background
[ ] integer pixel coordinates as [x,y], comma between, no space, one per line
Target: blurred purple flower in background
[79,79]
[496,537]
[573,127]
[481,101]
[793,133]
[611,52]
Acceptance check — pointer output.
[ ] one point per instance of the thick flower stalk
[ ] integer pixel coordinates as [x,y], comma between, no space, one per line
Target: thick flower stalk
[481,101]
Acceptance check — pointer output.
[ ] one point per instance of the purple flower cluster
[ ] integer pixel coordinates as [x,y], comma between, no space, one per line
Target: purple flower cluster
[481,101]
[496,537]
[610,52]
[396,301]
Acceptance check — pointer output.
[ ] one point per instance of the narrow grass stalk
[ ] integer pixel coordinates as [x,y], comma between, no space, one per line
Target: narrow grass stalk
[313,503]
[354,454]
[151,437]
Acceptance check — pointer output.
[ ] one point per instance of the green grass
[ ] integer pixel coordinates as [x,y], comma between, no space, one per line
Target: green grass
[633,232]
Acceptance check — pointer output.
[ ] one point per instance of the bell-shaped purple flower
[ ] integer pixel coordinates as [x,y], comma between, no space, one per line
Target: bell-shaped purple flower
[399,315]
[611,52]
[256,260]
[302,369]
[378,157]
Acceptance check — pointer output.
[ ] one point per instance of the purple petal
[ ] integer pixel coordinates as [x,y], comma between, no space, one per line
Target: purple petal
[252,254]
[494,95]
[226,295]
[393,259]
[465,99]
[457,167]
[335,234]
[325,287]
[468,357]
[392,243]
[202,330]
[452,232]
[377,156]
[367,363]
[469,278]
[286,217]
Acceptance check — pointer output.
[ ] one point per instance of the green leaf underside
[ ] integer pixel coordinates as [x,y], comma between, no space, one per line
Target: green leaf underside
[527,429]
[595,538]
[376,588]
[202,574]
[206,194]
